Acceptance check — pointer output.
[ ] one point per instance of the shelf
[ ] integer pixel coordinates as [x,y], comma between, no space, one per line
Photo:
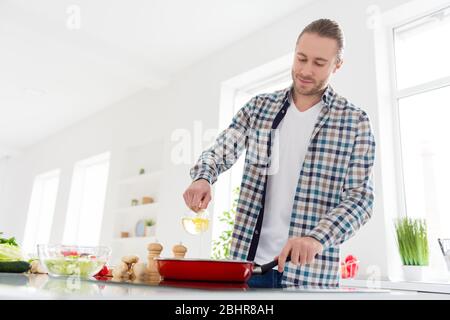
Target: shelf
[139,208]
[136,239]
[142,178]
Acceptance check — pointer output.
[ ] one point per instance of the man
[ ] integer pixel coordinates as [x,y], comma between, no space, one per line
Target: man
[304,198]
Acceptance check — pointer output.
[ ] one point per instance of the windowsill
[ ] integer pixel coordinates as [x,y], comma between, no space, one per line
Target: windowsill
[423,286]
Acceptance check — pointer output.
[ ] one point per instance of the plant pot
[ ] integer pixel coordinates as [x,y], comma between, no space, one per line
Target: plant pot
[414,273]
[150,231]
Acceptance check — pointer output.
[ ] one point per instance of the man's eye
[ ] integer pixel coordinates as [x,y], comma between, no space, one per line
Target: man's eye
[319,65]
[302,60]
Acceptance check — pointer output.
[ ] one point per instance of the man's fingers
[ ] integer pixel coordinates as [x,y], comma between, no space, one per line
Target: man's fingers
[311,257]
[283,256]
[195,205]
[308,255]
[303,257]
[206,201]
[295,255]
[189,197]
[198,195]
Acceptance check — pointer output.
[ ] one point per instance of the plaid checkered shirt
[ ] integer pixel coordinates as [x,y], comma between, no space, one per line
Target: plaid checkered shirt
[334,195]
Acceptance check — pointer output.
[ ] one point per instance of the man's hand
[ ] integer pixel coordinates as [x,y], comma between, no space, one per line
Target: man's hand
[198,195]
[302,250]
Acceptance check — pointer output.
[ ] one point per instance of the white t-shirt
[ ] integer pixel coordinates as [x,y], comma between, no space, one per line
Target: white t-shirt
[289,148]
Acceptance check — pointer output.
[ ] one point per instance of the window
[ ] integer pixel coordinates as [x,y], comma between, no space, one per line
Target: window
[41,210]
[422,93]
[422,50]
[86,201]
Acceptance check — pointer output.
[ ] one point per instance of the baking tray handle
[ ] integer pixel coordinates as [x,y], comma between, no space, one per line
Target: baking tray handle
[266,267]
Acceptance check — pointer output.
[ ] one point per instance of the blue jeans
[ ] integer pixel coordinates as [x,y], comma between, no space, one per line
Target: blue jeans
[271,279]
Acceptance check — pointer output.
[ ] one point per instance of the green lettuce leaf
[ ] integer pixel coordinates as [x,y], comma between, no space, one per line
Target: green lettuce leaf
[10,252]
[11,241]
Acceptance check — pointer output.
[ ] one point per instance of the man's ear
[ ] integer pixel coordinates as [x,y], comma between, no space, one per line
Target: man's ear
[338,65]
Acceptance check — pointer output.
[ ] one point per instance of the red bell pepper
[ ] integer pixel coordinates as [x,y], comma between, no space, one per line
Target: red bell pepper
[104,272]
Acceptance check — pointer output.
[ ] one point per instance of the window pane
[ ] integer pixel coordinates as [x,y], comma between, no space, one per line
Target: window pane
[426,158]
[87,198]
[41,210]
[422,50]
[426,153]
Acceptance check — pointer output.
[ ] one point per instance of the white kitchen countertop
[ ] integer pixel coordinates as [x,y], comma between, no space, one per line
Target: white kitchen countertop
[31,286]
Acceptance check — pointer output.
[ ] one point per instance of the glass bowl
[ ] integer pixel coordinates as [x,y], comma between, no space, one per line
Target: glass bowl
[65,260]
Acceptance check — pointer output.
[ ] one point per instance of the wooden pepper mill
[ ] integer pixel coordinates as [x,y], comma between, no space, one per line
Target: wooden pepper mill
[154,251]
[179,251]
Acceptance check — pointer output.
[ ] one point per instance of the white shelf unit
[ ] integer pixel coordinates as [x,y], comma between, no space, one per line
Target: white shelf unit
[141,208]
[152,176]
[134,239]
[133,185]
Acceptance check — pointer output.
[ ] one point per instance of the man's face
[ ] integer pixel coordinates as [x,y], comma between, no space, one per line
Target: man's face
[315,59]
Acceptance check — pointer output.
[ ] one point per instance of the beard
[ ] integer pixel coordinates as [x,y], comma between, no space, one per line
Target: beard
[316,87]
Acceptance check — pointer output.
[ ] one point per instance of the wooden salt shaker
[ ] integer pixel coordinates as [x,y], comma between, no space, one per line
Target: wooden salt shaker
[179,251]
[154,251]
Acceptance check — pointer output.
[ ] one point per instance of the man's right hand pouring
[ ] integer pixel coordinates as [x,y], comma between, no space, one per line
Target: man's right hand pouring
[198,195]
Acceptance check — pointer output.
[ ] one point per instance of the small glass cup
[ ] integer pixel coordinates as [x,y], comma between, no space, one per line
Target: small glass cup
[196,223]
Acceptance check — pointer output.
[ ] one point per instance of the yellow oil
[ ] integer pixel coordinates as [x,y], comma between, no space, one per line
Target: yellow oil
[195,225]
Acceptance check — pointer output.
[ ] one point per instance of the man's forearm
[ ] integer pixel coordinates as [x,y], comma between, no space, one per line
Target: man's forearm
[342,222]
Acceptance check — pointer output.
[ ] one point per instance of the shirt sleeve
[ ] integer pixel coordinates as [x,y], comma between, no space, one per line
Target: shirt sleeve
[227,147]
[356,205]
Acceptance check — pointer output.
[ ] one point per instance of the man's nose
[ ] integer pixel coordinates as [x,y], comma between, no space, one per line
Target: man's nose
[306,71]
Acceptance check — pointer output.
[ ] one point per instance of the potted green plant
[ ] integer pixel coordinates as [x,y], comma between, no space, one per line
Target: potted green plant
[413,247]
[150,227]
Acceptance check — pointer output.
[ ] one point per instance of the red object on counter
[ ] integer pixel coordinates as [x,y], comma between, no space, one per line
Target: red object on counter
[211,270]
[69,253]
[104,272]
[205,270]
[349,268]
[102,278]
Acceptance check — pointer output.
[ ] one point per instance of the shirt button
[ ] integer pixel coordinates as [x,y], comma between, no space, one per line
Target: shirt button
[256,232]
[282,111]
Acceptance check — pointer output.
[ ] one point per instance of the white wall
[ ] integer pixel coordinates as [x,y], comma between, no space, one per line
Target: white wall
[193,95]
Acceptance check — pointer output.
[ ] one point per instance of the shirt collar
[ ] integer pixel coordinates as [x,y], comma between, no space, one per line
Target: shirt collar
[327,96]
